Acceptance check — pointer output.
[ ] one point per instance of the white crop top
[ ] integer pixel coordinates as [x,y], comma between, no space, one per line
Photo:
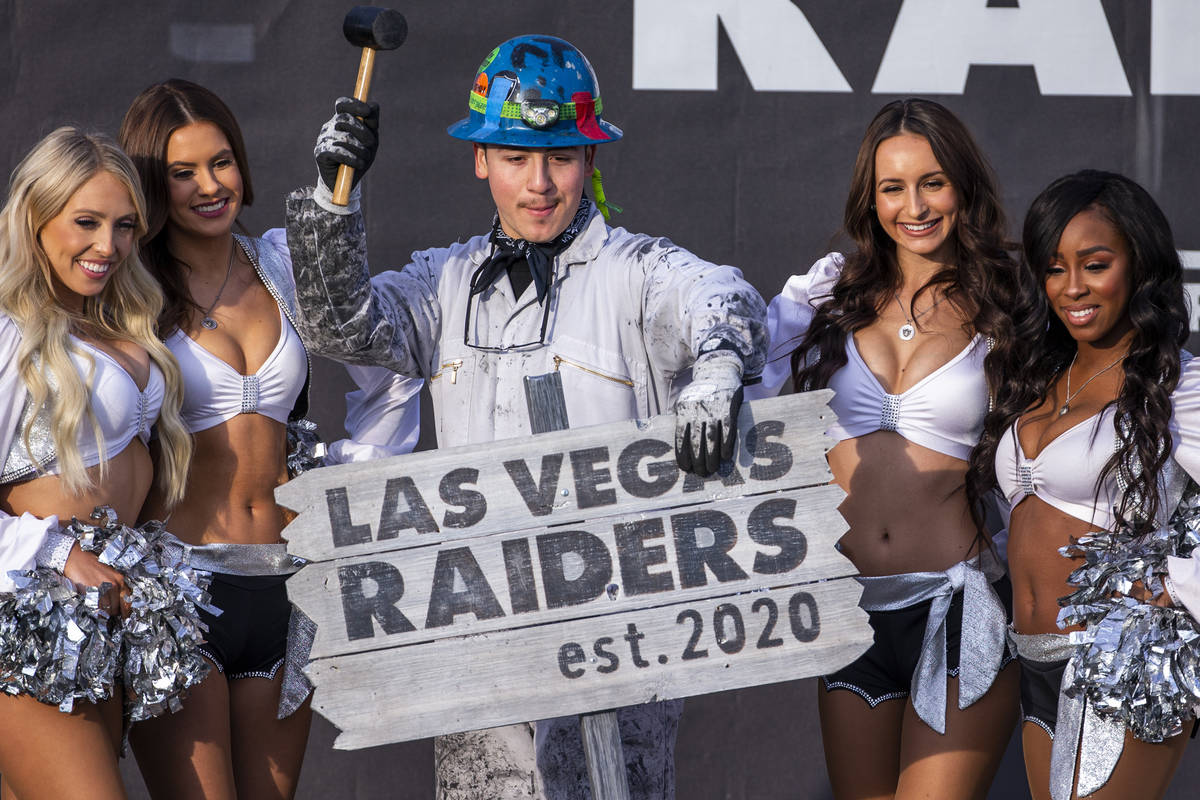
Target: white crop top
[215,392]
[943,412]
[122,411]
[1064,473]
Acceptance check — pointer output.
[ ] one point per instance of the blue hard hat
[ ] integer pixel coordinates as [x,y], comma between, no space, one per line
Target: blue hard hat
[535,91]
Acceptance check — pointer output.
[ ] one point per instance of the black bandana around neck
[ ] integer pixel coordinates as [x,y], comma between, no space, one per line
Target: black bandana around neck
[509,253]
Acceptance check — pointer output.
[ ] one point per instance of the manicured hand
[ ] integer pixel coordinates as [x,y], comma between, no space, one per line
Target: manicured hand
[84,569]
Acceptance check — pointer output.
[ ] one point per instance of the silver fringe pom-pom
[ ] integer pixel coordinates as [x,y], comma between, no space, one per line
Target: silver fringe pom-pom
[305,449]
[48,623]
[55,642]
[162,633]
[1137,662]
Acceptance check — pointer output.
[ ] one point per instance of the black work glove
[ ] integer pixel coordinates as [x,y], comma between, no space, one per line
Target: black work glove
[347,139]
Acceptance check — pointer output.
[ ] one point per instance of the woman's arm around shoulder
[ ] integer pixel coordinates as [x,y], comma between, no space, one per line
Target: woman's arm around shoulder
[788,316]
[1183,574]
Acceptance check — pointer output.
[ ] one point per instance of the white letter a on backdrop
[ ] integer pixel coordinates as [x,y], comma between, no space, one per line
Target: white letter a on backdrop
[935,42]
[675,46]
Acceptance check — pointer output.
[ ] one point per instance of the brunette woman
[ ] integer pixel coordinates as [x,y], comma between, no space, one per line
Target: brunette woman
[82,380]
[1092,440]
[901,329]
[229,315]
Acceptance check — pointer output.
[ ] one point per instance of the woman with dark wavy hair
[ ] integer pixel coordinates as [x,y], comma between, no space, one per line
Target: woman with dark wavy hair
[1091,441]
[901,328]
[228,316]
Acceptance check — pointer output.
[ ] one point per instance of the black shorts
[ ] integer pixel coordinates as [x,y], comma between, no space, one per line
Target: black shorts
[1040,682]
[885,671]
[249,639]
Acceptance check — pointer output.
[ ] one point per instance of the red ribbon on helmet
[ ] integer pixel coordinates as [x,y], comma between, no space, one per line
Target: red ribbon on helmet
[585,116]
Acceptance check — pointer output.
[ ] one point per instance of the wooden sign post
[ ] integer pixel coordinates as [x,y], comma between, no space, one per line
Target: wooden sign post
[599,731]
[568,572]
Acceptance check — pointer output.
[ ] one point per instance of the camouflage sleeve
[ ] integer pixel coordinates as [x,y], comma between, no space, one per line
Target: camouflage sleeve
[692,306]
[390,320]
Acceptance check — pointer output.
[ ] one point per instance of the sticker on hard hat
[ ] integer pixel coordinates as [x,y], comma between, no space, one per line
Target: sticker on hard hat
[481,84]
[501,86]
[490,58]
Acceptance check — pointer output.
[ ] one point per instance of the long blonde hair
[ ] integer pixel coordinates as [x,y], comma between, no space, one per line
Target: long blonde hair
[126,309]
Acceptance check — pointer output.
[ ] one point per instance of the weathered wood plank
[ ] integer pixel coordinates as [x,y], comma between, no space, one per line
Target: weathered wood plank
[601,734]
[571,572]
[599,731]
[573,667]
[587,569]
[549,479]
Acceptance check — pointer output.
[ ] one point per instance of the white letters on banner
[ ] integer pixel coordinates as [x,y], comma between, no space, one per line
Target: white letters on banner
[1191,262]
[931,49]
[1174,57]
[935,42]
[675,46]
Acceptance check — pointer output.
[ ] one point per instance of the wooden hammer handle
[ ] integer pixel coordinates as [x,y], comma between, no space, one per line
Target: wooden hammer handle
[366,66]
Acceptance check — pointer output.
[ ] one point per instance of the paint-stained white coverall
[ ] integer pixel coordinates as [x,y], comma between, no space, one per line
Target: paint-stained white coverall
[627,317]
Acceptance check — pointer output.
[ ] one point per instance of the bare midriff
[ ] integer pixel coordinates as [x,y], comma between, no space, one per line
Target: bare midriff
[231,484]
[905,504]
[1038,571]
[123,487]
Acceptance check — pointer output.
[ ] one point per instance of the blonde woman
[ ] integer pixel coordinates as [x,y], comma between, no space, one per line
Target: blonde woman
[83,378]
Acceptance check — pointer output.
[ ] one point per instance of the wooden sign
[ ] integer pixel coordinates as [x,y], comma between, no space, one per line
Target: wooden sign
[571,571]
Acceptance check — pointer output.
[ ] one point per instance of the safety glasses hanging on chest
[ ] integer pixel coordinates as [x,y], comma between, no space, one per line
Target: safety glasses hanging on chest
[480,282]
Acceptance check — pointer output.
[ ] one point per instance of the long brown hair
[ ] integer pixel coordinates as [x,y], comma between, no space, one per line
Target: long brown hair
[979,282]
[154,115]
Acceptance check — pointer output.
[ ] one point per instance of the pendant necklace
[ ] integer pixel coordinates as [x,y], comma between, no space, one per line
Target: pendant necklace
[909,329]
[1066,406]
[207,322]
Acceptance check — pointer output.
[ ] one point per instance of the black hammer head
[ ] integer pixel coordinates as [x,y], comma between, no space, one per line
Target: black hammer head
[374,27]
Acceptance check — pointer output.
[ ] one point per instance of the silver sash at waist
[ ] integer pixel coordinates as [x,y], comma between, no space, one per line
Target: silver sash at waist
[1042,647]
[984,629]
[1080,734]
[242,559]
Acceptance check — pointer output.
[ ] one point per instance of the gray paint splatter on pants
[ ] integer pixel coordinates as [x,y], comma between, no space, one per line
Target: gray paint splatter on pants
[545,760]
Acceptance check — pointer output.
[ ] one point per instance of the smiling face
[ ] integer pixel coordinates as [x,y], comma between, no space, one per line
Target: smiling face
[89,238]
[203,182]
[536,190]
[916,204]
[1090,279]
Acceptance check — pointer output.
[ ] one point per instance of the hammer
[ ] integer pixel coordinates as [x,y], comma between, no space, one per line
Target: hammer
[370,28]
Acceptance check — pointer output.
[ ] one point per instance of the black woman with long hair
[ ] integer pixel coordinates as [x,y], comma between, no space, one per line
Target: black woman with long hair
[1092,441]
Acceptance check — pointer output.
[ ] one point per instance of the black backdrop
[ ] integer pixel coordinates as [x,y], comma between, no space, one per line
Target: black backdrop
[749,176]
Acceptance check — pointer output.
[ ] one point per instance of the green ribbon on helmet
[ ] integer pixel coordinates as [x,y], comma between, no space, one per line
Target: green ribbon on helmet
[601,199]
